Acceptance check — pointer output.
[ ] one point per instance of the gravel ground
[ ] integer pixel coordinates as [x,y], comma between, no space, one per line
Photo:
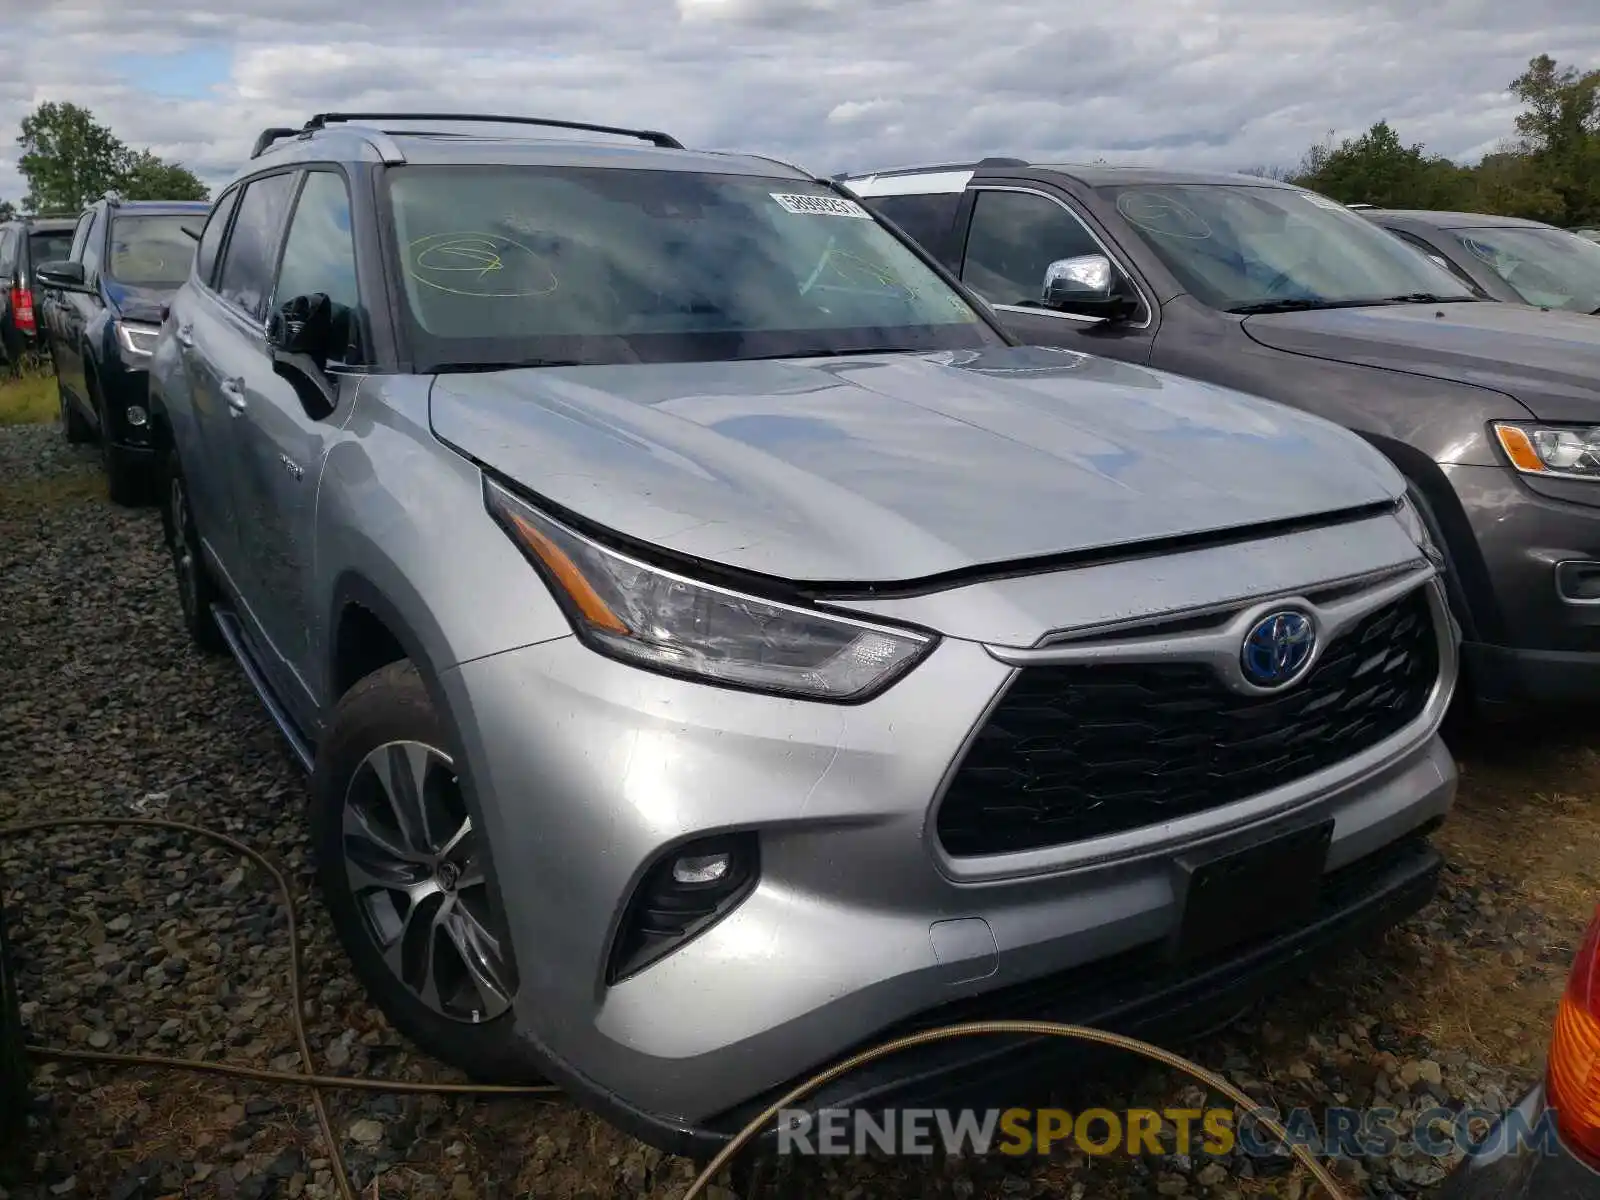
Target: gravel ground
[148,942]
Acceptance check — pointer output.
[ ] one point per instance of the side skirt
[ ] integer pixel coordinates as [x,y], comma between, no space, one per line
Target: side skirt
[228,623]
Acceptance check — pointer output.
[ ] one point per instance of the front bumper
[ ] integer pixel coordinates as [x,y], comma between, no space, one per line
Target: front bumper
[586,771]
[1503,1169]
[1531,643]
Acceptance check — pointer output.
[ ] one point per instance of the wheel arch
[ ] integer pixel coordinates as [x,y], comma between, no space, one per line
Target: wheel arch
[1467,577]
[360,609]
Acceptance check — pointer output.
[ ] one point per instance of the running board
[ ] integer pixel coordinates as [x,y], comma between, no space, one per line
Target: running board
[228,623]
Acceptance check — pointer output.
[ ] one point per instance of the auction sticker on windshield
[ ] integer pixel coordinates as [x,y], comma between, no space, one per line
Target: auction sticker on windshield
[820,206]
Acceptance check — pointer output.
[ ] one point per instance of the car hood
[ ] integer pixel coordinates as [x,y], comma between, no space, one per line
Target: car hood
[136,303]
[897,467]
[1548,361]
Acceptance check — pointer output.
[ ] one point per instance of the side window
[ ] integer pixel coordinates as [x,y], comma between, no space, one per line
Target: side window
[319,256]
[92,244]
[205,255]
[80,234]
[928,219]
[1014,236]
[248,259]
[8,254]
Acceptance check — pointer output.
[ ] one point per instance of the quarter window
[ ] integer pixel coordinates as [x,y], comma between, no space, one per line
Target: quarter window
[319,257]
[247,261]
[1014,236]
[205,257]
[92,244]
[80,234]
[8,255]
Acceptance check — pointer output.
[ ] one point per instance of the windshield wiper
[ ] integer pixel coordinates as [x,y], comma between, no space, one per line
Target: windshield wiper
[1298,304]
[1303,304]
[1428,298]
[520,364]
[850,353]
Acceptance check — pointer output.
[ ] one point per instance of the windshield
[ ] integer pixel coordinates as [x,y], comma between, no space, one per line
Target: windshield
[1244,248]
[1548,267]
[153,251]
[537,265]
[50,247]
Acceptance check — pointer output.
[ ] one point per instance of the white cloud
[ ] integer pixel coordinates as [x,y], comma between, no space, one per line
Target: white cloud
[832,85]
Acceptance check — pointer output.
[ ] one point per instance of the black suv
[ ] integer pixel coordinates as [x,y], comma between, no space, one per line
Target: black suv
[102,308]
[25,243]
[1492,411]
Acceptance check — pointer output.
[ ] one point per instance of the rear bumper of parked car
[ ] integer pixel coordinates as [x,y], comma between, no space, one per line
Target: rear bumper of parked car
[1501,1169]
[1537,643]
[588,772]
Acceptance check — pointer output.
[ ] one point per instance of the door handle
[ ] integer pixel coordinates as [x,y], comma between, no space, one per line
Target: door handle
[233,390]
[185,336]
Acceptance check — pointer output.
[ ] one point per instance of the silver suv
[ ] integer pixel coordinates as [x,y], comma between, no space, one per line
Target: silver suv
[715,644]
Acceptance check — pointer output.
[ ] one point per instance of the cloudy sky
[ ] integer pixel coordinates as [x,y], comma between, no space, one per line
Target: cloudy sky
[832,84]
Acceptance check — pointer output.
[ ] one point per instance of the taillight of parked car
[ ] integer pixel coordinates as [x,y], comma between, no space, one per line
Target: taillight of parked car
[22,310]
[1572,1081]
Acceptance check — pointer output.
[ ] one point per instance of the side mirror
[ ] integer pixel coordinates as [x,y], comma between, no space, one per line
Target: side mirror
[61,274]
[299,335]
[1086,285]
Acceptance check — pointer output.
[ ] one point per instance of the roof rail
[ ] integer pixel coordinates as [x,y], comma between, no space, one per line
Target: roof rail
[1001,161]
[268,136]
[771,158]
[666,141]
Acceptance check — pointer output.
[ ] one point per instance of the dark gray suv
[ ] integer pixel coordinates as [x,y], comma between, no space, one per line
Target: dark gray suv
[1492,411]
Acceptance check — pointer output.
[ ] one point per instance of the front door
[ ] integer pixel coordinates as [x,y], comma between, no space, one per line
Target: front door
[1013,235]
[286,429]
[226,330]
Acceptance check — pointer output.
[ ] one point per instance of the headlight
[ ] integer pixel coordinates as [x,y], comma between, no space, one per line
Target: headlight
[138,339]
[664,622]
[1571,452]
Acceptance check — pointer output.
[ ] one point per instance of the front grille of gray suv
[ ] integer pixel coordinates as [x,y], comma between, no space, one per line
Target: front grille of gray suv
[1074,752]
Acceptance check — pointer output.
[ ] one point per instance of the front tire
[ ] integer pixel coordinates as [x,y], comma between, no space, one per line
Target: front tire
[403,874]
[73,425]
[197,592]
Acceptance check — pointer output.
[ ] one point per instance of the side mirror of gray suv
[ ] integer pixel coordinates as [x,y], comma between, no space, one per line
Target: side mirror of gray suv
[1086,285]
[300,334]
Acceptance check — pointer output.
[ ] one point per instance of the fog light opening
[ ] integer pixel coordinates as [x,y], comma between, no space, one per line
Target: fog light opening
[137,417]
[684,893]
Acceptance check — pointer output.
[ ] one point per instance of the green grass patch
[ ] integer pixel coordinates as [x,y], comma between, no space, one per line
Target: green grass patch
[30,400]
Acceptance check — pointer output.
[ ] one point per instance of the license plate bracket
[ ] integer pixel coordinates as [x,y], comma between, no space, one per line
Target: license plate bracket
[1248,892]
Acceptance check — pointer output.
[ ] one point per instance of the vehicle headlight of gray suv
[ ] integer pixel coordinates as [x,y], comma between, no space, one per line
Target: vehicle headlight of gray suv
[716,645]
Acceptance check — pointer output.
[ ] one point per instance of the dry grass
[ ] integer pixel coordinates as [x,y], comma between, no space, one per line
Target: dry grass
[1528,816]
[28,400]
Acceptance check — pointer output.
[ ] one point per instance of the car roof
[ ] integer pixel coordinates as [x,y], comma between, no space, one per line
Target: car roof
[44,224]
[162,208]
[359,141]
[1452,220]
[1088,174]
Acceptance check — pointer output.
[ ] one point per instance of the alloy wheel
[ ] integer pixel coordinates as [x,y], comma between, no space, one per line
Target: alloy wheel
[414,867]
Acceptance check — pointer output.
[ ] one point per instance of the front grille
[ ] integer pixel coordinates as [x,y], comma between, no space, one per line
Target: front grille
[1080,751]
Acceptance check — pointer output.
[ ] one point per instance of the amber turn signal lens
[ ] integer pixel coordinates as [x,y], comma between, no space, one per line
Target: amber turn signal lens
[1572,1077]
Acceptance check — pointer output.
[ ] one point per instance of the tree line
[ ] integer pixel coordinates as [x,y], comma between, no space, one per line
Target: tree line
[1550,170]
[70,160]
